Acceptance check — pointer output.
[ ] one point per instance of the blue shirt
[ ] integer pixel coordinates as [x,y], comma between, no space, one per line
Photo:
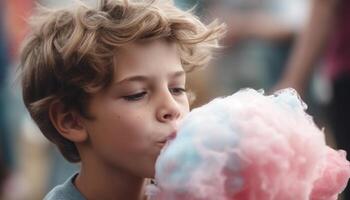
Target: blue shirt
[66,191]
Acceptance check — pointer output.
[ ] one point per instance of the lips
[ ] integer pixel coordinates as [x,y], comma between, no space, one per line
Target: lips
[163,142]
[171,136]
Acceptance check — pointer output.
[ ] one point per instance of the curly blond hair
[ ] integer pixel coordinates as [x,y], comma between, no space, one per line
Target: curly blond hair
[70,52]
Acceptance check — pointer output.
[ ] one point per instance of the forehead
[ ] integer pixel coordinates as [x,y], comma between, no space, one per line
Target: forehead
[142,58]
[140,47]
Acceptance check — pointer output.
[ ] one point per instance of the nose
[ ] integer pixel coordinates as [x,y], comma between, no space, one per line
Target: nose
[169,109]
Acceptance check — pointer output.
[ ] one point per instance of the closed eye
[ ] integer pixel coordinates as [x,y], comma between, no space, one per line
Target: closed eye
[178,91]
[135,97]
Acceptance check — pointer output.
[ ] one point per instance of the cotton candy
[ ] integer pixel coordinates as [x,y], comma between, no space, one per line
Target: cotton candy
[249,146]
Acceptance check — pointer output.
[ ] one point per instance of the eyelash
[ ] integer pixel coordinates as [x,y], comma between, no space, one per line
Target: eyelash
[135,97]
[178,91]
[140,95]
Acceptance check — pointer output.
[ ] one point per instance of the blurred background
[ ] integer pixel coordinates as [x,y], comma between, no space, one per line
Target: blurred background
[260,51]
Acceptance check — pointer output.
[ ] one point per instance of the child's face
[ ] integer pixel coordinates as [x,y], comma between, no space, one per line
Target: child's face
[140,110]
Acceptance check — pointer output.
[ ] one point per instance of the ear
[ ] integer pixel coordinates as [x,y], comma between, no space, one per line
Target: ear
[67,122]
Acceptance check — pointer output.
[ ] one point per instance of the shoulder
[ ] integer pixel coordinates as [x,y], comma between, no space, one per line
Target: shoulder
[66,191]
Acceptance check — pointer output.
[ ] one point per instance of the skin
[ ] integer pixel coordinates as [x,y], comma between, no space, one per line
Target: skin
[133,118]
[251,24]
[309,46]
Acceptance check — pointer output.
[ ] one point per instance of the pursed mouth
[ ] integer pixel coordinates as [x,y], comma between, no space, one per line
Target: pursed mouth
[161,144]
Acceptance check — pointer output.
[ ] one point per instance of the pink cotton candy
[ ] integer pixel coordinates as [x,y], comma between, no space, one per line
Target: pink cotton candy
[334,176]
[248,146]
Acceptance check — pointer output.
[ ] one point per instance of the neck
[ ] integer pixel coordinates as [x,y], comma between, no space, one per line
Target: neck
[96,181]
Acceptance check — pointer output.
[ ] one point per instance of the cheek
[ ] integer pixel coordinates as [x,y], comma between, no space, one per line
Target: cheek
[133,121]
[185,107]
[126,135]
[123,120]
[118,129]
[134,128]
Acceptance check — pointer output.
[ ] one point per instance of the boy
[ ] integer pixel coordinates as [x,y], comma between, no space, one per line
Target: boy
[107,86]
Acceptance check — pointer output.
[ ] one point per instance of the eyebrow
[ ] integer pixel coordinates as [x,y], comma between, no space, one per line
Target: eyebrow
[141,78]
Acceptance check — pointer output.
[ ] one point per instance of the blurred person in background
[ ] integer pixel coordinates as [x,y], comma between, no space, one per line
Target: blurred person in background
[260,35]
[326,37]
[6,151]
[3,175]
[23,154]
[5,148]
